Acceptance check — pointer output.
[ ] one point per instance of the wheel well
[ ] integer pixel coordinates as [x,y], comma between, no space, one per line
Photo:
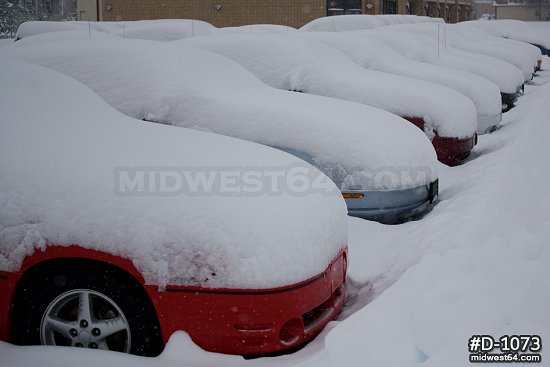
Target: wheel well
[48,269]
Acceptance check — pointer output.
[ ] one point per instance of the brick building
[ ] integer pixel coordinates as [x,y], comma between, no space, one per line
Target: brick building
[295,13]
[529,10]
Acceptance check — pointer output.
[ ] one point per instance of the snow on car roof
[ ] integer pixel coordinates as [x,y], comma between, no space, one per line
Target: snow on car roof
[188,87]
[258,28]
[350,22]
[376,55]
[425,49]
[305,65]
[469,39]
[511,28]
[160,29]
[60,148]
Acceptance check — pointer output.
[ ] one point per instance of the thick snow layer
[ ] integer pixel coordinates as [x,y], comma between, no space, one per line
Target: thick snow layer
[160,30]
[476,41]
[376,55]
[292,63]
[513,29]
[360,21]
[5,41]
[187,87]
[427,50]
[258,28]
[60,148]
[81,35]
[478,264]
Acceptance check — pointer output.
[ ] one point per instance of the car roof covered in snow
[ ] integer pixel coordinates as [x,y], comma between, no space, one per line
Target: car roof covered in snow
[258,28]
[350,22]
[159,29]
[304,65]
[188,87]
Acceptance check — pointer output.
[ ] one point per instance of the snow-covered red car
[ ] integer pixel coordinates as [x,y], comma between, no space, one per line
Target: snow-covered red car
[86,262]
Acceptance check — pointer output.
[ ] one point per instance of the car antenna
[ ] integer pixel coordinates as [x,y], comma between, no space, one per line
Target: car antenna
[438,40]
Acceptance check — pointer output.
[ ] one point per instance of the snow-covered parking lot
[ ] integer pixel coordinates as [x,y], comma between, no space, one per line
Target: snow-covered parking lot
[478,264]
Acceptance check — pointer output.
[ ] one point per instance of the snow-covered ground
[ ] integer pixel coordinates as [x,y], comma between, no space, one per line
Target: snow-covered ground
[478,264]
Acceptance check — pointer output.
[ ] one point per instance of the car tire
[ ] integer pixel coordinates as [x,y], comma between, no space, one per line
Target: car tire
[97,309]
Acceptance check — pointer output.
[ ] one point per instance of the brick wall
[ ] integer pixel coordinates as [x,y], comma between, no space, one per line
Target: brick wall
[294,13]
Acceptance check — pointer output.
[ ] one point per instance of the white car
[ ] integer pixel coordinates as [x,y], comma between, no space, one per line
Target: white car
[447,117]
[374,54]
[97,249]
[385,167]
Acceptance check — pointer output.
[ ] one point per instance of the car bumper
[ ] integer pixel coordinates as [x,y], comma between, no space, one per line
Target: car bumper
[253,322]
[543,50]
[391,207]
[450,151]
[508,99]
[488,123]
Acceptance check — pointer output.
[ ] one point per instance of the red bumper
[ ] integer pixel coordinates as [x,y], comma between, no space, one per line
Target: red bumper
[450,151]
[234,321]
[253,322]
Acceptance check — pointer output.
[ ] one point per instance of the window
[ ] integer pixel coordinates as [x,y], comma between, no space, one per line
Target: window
[389,7]
[339,7]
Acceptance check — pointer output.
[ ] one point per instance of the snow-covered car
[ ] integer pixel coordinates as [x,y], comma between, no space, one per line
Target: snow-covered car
[515,29]
[520,54]
[386,168]
[426,49]
[160,29]
[350,22]
[93,256]
[447,117]
[258,28]
[374,54]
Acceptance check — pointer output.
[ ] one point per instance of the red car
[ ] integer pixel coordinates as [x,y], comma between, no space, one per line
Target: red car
[93,256]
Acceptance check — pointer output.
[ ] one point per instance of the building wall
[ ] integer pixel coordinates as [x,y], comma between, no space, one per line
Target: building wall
[294,13]
[222,13]
[86,10]
[521,12]
[481,9]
